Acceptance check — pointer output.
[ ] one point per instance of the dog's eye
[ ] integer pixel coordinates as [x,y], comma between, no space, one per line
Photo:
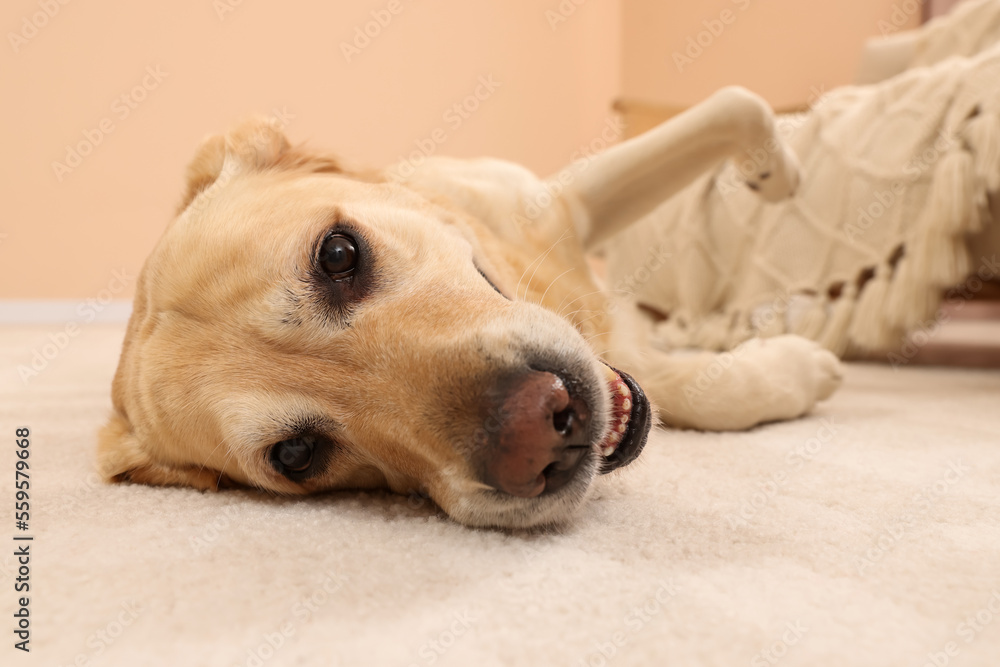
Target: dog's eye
[293,456]
[338,256]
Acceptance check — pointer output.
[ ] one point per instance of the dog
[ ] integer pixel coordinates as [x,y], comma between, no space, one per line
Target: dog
[303,327]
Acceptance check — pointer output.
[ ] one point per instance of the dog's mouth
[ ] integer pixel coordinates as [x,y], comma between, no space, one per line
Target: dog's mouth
[629,423]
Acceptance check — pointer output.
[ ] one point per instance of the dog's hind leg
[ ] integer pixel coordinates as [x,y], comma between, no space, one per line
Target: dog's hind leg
[629,180]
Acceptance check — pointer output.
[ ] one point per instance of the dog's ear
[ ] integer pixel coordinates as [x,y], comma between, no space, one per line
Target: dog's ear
[254,144]
[121,458]
[204,168]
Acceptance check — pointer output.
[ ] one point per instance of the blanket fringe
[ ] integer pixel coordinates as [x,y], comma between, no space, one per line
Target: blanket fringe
[951,205]
[834,336]
[911,300]
[936,253]
[869,328]
[983,132]
[814,318]
[940,260]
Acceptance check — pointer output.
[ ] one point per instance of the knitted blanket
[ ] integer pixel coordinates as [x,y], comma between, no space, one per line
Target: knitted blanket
[897,175]
[969,29]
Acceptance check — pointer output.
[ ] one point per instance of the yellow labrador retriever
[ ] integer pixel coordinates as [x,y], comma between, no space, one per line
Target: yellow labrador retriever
[300,327]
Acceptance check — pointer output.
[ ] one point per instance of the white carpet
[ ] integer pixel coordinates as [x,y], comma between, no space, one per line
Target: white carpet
[871,537]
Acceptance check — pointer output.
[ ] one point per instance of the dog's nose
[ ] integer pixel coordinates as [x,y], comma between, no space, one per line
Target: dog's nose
[541,439]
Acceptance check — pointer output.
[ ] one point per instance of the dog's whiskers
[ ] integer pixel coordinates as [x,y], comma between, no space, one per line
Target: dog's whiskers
[559,311]
[554,281]
[577,316]
[223,467]
[536,263]
[215,449]
[579,323]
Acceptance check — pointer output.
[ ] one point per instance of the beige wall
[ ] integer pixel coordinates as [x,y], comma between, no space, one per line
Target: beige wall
[65,239]
[63,236]
[782,49]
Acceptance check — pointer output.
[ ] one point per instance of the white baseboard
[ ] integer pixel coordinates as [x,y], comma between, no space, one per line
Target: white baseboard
[55,311]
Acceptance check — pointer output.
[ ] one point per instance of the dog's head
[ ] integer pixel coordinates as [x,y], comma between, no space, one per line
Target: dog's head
[300,329]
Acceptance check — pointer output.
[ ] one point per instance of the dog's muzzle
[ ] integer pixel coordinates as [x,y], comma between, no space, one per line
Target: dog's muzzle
[546,433]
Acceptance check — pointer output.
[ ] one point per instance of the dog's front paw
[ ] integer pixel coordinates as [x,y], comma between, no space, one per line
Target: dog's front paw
[796,373]
[762,380]
[828,369]
[778,175]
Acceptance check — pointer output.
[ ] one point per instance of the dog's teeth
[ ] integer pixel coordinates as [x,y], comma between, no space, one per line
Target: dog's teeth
[621,408]
[609,375]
